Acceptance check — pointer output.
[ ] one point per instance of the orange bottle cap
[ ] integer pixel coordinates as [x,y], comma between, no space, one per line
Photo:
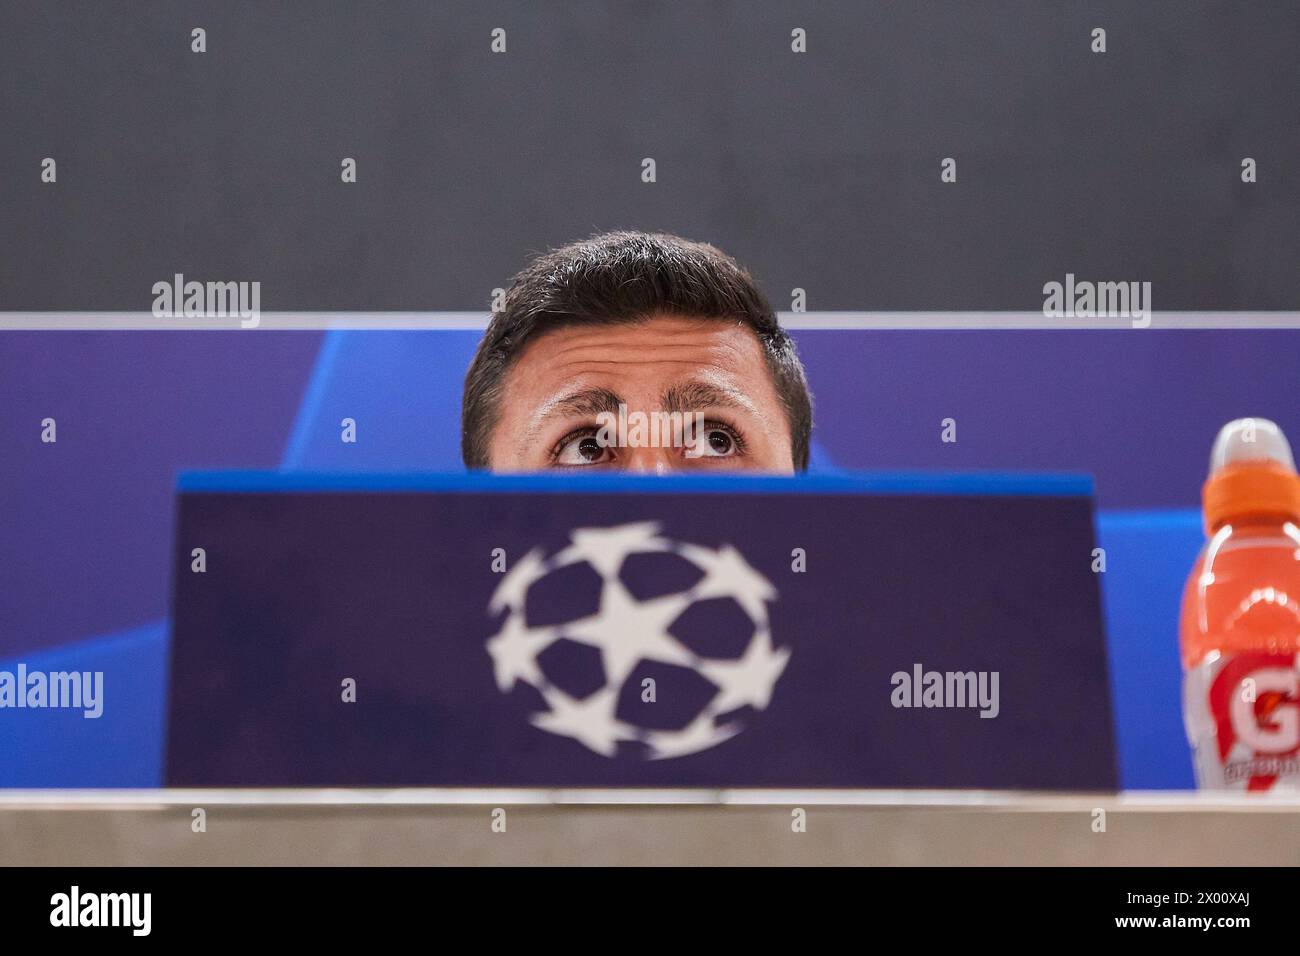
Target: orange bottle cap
[1251,474]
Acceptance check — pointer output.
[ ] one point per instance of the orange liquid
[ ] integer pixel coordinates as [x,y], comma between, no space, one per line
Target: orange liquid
[1240,634]
[1244,593]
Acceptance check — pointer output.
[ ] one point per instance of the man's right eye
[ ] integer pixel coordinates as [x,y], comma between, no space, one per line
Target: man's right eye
[582,448]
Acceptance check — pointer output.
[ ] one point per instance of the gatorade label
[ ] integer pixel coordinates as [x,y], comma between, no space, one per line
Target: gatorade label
[1243,721]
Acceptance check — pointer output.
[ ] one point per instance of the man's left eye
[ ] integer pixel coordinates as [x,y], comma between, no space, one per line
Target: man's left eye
[713,443]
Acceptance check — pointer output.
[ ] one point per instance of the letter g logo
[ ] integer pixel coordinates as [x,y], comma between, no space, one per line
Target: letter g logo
[1282,733]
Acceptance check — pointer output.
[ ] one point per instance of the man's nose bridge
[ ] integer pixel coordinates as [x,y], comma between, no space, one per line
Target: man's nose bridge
[650,461]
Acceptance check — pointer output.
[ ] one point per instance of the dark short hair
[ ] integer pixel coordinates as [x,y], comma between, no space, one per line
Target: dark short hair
[623,277]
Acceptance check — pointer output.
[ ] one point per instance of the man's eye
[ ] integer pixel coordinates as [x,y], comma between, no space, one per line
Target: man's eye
[714,443]
[582,450]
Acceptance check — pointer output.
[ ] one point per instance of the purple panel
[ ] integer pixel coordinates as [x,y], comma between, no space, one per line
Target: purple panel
[393,591]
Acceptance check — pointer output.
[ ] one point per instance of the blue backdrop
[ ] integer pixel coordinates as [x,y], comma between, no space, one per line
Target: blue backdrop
[86,527]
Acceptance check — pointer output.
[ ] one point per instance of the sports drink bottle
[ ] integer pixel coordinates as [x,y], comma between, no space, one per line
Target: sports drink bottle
[1240,628]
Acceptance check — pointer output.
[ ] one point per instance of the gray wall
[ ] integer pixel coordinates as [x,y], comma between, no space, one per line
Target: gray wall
[818,170]
[152,830]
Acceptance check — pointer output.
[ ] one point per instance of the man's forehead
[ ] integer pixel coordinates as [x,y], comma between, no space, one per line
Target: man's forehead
[667,363]
[662,359]
[658,339]
[640,355]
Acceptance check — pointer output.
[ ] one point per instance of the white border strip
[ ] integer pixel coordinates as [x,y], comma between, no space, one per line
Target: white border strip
[477,321]
[1006,801]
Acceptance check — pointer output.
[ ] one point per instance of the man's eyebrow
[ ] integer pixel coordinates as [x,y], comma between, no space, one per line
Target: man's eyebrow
[688,397]
[586,401]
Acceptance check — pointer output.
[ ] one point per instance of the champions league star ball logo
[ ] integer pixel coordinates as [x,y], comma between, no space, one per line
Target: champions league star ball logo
[628,635]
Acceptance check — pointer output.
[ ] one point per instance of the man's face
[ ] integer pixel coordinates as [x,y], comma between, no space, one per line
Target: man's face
[570,382]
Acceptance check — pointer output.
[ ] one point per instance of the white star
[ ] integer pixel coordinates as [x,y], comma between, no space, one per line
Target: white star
[749,680]
[591,722]
[605,548]
[699,734]
[514,586]
[514,652]
[627,630]
[729,575]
